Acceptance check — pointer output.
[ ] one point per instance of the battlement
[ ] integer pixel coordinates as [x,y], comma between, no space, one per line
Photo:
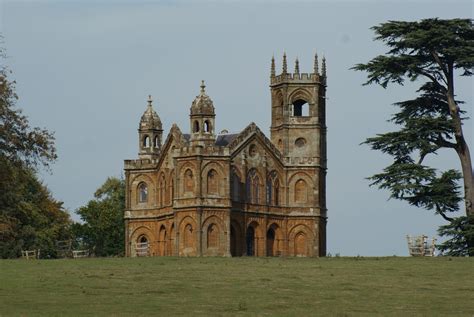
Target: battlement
[296,77]
[203,150]
[140,164]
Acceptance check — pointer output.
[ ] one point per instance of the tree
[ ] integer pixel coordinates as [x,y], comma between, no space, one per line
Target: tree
[433,50]
[103,228]
[30,218]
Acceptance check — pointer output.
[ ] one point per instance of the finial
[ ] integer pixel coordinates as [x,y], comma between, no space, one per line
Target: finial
[284,63]
[272,70]
[323,68]
[297,66]
[149,100]
[203,86]
[316,66]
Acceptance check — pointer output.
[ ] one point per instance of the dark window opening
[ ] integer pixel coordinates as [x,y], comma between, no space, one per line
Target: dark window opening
[300,108]
[196,127]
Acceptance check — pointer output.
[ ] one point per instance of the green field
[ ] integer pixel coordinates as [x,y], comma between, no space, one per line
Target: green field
[238,286]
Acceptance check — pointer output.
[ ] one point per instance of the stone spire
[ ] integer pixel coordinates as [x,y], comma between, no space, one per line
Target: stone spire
[285,68]
[272,70]
[323,68]
[316,65]
[297,66]
[150,119]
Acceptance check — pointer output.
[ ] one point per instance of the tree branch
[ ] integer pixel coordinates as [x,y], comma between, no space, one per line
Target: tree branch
[445,217]
[441,65]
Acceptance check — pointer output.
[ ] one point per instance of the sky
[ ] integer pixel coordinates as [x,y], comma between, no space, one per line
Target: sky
[84,70]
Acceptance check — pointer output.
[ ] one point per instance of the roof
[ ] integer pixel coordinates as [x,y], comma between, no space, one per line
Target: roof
[225,139]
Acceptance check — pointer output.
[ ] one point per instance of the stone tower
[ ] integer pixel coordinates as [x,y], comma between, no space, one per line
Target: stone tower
[298,126]
[202,119]
[150,133]
[298,112]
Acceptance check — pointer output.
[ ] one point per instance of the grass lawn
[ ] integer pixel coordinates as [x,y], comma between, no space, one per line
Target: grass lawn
[238,286]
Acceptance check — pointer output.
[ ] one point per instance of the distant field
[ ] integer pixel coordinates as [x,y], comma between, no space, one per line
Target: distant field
[238,286]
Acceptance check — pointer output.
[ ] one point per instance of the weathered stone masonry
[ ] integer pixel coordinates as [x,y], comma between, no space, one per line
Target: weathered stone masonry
[202,194]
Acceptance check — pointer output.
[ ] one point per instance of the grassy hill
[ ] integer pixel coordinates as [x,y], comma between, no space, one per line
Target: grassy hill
[238,286]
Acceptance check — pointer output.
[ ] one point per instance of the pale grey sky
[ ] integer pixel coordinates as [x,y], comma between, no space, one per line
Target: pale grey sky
[85,68]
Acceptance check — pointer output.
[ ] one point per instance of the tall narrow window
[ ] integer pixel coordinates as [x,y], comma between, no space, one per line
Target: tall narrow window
[188,236]
[301,191]
[146,141]
[142,193]
[253,183]
[212,236]
[212,183]
[163,190]
[188,181]
[273,188]
[196,126]
[207,126]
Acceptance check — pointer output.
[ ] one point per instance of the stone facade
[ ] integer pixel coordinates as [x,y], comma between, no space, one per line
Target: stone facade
[207,194]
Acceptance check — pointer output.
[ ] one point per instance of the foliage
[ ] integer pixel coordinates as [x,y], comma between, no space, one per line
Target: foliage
[247,286]
[433,50]
[103,228]
[460,230]
[20,143]
[30,218]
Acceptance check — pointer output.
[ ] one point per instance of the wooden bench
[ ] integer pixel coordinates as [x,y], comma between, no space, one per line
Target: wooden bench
[30,254]
[80,254]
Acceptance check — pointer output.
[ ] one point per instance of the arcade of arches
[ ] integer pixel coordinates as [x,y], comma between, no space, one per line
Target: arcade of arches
[203,193]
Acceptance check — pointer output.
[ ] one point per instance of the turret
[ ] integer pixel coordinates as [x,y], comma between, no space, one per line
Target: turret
[202,119]
[150,133]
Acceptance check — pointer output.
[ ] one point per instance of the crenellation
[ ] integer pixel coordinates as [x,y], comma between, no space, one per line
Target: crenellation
[199,194]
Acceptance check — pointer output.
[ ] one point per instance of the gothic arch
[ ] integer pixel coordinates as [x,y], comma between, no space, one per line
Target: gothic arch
[142,231]
[273,188]
[293,184]
[253,239]
[275,240]
[162,189]
[188,237]
[214,235]
[301,241]
[236,184]
[163,241]
[134,191]
[300,94]
[253,184]
[219,179]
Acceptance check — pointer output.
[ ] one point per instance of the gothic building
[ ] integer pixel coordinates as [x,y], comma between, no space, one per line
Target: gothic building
[202,193]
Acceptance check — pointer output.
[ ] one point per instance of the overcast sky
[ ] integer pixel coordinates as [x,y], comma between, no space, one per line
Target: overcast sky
[85,68]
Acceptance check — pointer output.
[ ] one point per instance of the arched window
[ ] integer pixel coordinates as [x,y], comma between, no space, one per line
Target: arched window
[188,181]
[141,246]
[273,189]
[212,236]
[142,192]
[146,141]
[301,191]
[300,108]
[253,183]
[196,126]
[157,142]
[188,236]
[212,182]
[162,190]
[207,126]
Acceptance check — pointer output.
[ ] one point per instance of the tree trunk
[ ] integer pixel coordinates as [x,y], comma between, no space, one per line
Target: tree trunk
[464,155]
